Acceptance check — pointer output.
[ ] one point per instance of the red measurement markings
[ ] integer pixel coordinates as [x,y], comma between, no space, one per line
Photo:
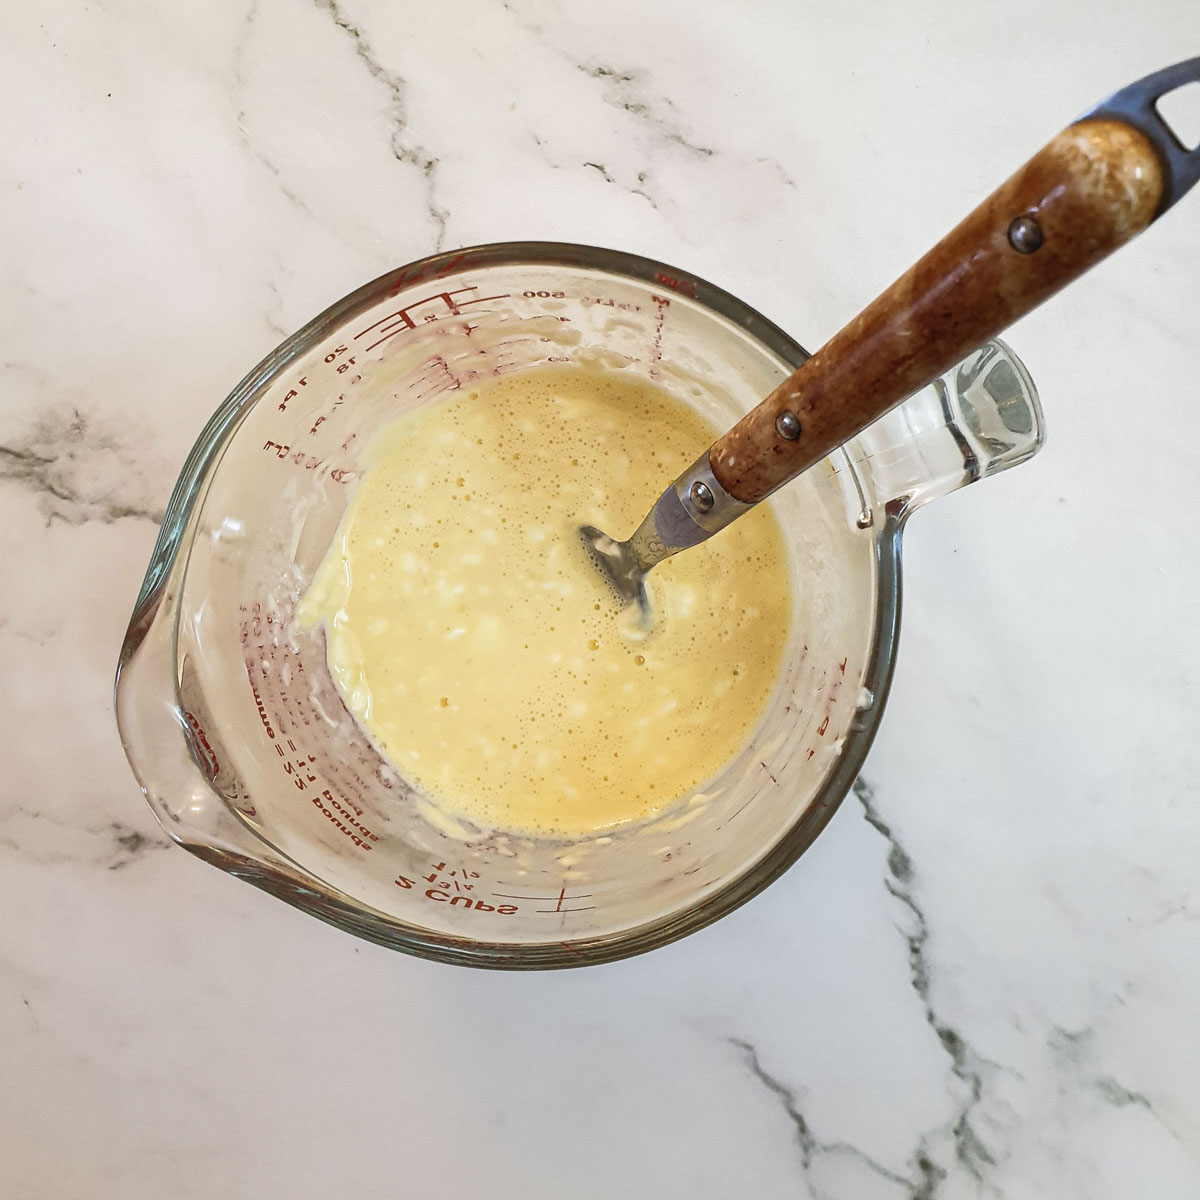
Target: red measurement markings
[656,340]
[437,377]
[624,306]
[677,283]
[297,703]
[202,747]
[429,271]
[560,907]
[455,877]
[428,309]
[310,462]
[560,901]
[293,393]
[298,767]
[343,814]
[258,700]
[830,702]
[251,626]
[449,886]
[342,360]
[734,815]
[280,689]
[834,688]
[499,357]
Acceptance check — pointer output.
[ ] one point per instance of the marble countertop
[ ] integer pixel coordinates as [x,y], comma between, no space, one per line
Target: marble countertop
[981,981]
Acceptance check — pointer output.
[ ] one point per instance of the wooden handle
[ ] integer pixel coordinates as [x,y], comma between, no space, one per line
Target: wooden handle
[1091,189]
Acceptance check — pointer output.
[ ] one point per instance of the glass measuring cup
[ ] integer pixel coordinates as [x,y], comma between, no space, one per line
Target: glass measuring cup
[239,738]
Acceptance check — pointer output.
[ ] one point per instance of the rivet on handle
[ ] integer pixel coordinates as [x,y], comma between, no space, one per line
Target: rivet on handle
[788,426]
[1024,235]
[701,496]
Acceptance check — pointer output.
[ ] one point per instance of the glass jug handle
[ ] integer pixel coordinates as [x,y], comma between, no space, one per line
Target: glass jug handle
[980,418]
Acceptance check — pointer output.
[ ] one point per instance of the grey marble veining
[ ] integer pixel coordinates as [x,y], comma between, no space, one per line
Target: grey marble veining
[982,979]
[80,467]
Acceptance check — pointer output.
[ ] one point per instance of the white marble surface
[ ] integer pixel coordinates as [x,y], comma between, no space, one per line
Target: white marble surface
[982,981]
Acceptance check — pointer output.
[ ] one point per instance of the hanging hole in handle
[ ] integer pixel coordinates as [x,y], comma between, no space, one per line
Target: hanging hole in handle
[1142,105]
[1179,111]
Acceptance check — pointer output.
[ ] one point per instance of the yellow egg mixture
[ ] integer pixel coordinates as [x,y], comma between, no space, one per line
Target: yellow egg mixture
[478,646]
